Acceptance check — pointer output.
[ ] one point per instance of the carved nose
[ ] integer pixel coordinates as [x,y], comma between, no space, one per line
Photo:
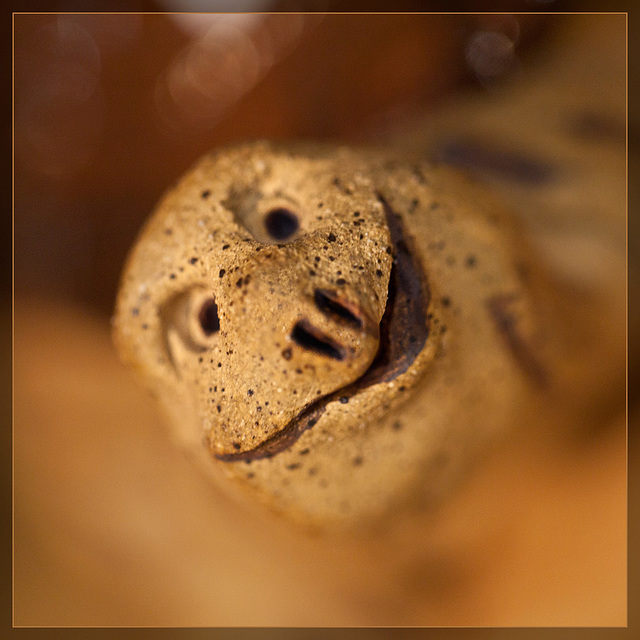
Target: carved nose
[338,312]
[306,341]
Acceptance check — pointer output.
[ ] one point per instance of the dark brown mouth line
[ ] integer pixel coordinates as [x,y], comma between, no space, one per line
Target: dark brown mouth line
[403,332]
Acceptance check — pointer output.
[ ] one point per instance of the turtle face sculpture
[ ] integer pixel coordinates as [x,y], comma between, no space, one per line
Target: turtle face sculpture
[339,328]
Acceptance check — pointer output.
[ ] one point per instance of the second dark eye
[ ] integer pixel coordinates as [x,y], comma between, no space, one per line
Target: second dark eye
[281,224]
[208,317]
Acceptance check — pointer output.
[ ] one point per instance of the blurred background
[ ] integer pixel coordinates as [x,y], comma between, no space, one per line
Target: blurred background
[112,524]
[111,109]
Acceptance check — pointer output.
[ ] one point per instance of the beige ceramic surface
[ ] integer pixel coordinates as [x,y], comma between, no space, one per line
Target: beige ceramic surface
[299,389]
[403,316]
[446,396]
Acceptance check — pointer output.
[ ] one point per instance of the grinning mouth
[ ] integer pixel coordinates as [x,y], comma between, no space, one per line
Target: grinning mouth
[403,333]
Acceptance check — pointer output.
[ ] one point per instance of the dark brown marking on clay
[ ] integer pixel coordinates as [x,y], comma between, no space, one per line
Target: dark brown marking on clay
[482,158]
[281,440]
[598,127]
[331,304]
[522,352]
[310,338]
[404,329]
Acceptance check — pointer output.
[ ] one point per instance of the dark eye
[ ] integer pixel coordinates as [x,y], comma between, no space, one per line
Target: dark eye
[208,317]
[281,224]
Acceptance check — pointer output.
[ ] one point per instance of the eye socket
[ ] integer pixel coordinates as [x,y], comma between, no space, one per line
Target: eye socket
[281,223]
[208,317]
[192,317]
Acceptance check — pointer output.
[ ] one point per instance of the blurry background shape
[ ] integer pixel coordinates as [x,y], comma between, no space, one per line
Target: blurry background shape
[113,524]
[111,108]
[229,55]
[59,106]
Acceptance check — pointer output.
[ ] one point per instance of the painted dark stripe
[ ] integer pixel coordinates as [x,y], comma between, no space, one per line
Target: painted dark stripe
[522,352]
[483,158]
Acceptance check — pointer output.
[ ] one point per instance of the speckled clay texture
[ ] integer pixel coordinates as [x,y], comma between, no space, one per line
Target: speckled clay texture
[336,329]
